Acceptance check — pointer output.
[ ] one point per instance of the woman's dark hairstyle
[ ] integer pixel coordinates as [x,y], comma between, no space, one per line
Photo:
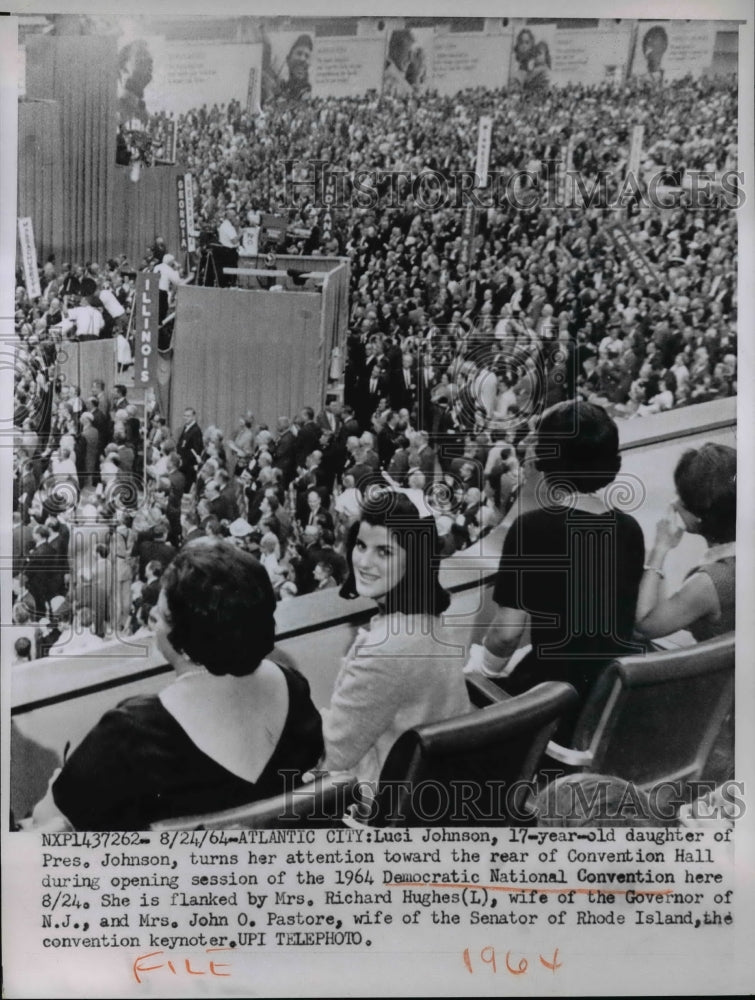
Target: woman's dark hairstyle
[578,446]
[222,607]
[22,646]
[333,563]
[419,592]
[706,481]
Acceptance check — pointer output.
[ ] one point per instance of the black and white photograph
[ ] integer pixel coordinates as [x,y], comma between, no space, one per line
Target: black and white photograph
[371,612]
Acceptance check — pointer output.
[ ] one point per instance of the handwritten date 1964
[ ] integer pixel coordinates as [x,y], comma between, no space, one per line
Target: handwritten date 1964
[487,956]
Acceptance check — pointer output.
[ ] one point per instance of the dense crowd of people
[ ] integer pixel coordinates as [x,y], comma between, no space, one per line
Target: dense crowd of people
[454,345]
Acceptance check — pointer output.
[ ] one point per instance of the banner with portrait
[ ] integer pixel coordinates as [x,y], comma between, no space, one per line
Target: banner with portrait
[531,56]
[159,79]
[287,65]
[460,61]
[408,58]
[346,66]
[672,49]
[590,55]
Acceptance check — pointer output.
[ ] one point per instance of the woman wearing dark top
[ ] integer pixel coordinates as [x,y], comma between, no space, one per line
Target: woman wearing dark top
[220,734]
[571,568]
[706,486]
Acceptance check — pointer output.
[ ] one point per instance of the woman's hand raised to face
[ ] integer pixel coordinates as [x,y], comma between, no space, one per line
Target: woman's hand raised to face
[668,530]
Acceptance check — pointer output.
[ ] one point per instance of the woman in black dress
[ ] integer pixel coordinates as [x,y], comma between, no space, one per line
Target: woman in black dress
[571,567]
[221,733]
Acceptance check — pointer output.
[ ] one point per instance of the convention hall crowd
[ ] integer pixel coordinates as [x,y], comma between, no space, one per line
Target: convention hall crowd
[454,345]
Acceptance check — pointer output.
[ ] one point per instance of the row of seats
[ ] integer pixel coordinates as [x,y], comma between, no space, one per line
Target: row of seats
[649,720]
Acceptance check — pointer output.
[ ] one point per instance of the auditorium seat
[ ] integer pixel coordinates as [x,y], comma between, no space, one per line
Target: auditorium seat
[656,718]
[470,769]
[319,803]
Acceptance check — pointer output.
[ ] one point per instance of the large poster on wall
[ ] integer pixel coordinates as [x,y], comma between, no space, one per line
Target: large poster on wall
[460,61]
[590,55]
[408,58]
[286,65]
[190,73]
[531,58]
[159,79]
[672,49]
[345,66]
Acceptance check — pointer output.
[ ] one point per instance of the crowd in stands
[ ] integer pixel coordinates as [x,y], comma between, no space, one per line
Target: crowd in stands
[452,349]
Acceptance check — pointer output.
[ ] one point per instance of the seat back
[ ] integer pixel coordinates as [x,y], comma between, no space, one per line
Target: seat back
[470,769]
[321,803]
[656,717]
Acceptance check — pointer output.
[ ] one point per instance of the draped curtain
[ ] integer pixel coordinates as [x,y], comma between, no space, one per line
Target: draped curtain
[80,73]
[145,209]
[40,174]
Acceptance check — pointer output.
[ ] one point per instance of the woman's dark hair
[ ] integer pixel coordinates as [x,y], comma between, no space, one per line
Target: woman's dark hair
[221,605]
[706,481]
[419,592]
[578,446]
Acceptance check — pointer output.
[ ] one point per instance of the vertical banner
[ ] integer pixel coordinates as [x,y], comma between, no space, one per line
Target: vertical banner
[165,142]
[191,240]
[253,92]
[146,328]
[29,257]
[484,138]
[468,232]
[185,191]
[635,150]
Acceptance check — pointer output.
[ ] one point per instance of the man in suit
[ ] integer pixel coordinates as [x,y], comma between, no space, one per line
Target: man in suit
[375,384]
[330,418]
[308,437]
[285,450]
[22,542]
[88,451]
[100,422]
[349,427]
[42,571]
[403,388]
[189,446]
[175,481]
[153,544]
[386,438]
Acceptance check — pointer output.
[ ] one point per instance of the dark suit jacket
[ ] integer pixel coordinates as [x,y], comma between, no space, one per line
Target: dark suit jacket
[323,423]
[44,576]
[307,441]
[189,441]
[285,455]
[22,543]
[400,395]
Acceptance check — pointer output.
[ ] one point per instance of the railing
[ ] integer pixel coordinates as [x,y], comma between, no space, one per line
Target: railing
[57,700]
